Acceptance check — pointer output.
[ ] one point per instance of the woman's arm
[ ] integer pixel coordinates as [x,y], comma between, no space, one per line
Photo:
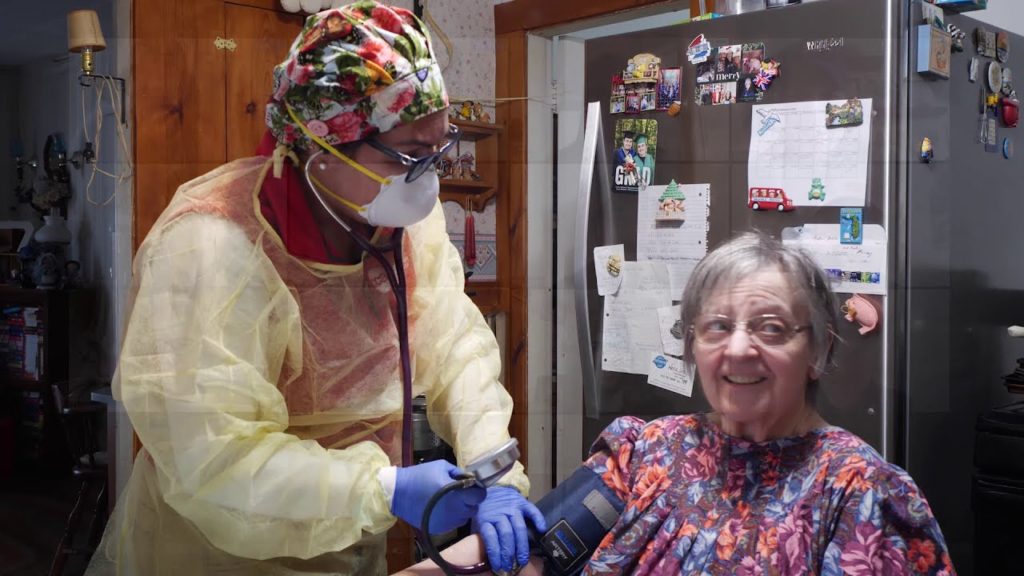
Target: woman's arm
[465,552]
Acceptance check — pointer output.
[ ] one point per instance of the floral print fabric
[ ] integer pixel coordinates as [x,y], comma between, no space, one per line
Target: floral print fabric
[699,501]
[355,71]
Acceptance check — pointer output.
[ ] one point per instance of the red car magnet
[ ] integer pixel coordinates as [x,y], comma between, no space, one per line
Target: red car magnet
[1011,111]
[769,199]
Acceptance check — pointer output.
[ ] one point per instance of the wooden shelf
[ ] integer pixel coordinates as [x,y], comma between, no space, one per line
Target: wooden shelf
[473,131]
[462,184]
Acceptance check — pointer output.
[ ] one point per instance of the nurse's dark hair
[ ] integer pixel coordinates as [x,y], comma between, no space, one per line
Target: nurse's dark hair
[753,252]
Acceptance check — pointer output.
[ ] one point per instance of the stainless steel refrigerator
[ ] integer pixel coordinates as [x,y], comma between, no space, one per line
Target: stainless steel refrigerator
[912,389]
[832,50]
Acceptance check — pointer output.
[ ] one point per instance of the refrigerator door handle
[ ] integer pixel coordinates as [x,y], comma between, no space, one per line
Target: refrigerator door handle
[591,139]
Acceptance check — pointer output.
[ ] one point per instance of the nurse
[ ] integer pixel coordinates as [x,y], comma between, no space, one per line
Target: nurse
[284,306]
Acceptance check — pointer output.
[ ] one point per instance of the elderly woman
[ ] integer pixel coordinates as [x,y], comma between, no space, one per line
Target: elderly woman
[761,485]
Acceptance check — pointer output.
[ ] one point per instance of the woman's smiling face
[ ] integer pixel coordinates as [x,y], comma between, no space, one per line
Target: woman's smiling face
[751,385]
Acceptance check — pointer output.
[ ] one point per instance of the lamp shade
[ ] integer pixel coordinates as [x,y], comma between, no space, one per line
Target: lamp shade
[84,31]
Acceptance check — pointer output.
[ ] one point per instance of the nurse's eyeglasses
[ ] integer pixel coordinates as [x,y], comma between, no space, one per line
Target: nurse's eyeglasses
[418,166]
[767,330]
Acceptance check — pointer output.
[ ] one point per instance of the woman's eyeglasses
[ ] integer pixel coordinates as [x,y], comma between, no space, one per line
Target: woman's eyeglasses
[766,330]
[417,166]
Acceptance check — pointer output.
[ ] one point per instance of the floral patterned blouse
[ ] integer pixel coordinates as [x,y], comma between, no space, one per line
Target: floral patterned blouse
[699,501]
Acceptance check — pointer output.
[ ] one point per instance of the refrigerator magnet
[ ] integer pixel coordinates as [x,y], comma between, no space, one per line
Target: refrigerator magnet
[769,199]
[991,136]
[671,204]
[851,225]
[1010,109]
[1003,46]
[770,70]
[699,50]
[957,36]
[972,70]
[642,69]
[927,153]
[618,99]
[994,77]
[1007,82]
[989,43]
[863,310]
[670,83]
[648,97]
[637,141]
[1007,148]
[632,100]
[608,268]
[669,373]
[849,113]
[671,325]
[817,191]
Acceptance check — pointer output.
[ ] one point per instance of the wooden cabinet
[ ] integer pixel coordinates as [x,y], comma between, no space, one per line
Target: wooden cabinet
[201,79]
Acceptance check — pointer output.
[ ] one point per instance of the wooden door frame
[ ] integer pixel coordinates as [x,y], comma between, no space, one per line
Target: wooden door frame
[512,22]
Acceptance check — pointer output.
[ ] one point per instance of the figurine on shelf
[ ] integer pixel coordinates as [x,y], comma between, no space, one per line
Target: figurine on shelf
[479,115]
[445,167]
[464,165]
[465,111]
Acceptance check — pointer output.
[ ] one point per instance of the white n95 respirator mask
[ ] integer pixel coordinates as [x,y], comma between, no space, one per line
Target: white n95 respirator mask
[400,203]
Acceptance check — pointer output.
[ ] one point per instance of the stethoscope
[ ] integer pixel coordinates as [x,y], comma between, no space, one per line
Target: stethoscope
[485,470]
[396,279]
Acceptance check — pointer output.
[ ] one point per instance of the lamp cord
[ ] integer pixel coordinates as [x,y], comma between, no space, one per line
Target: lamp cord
[109,86]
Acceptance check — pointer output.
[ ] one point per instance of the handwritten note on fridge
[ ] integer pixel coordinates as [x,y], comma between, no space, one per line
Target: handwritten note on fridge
[631,335]
[679,244]
[792,147]
[852,268]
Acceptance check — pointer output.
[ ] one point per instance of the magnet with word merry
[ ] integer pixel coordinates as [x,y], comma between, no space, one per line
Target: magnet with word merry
[957,36]
[972,70]
[671,204]
[851,225]
[849,113]
[927,152]
[817,191]
[618,100]
[1003,46]
[985,42]
[642,69]
[699,50]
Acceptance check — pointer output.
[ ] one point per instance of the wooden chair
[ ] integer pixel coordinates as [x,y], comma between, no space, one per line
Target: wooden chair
[79,422]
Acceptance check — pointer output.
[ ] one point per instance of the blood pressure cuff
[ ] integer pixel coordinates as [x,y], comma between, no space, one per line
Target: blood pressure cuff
[579,512]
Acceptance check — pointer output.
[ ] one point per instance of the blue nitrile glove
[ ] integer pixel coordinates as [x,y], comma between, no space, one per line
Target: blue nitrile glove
[414,485]
[501,524]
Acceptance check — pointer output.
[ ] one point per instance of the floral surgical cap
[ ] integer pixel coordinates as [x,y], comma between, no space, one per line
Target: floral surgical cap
[353,72]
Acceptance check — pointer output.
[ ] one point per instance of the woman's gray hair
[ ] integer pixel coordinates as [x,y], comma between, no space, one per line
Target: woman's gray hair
[748,254]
